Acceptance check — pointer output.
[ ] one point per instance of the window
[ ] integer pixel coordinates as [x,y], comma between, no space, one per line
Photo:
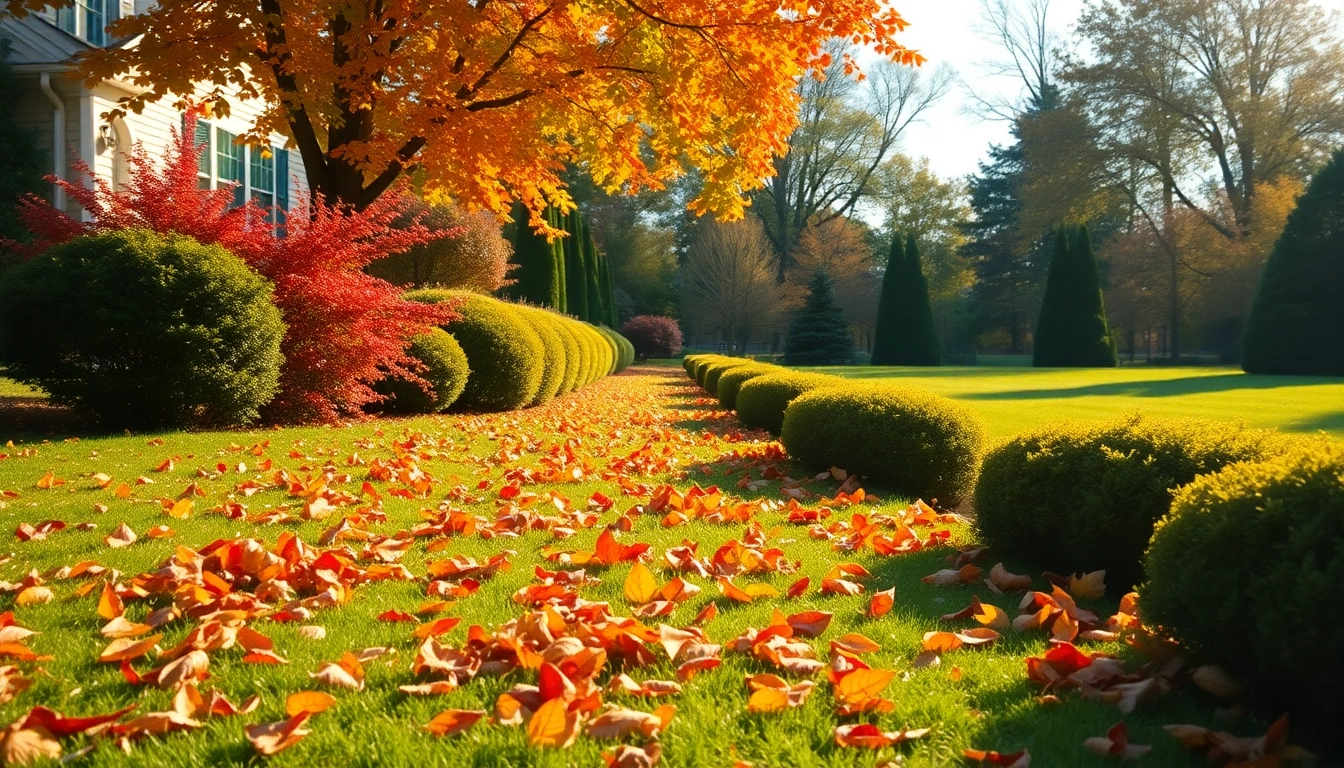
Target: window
[261,174]
[88,19]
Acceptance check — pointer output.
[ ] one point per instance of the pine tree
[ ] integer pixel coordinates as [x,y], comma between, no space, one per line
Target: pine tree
[1296,324]
[535,275]
[819,333]
[905,333]
[576,282]
[1072,330]
[22,162]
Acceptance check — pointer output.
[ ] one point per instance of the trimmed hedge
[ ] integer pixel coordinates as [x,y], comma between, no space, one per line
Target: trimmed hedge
[506,356]
[145,330]
[553,373]
[617,354]
[762,400]
[920,444]
[446,371]
[1085,496]
[732,380]
[1247,571]
[573,355]
[715,372]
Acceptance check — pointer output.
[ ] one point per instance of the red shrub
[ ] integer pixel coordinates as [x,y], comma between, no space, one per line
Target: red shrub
[653,335]
[345,329]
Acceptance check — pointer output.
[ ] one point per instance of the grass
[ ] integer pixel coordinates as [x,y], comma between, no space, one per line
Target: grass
[976,698]
[1012,400]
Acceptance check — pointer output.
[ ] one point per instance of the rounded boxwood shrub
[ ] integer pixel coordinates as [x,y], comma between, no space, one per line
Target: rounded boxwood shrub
[605,350]
[702,367]
[593,348]
[1084,496]
[553,374]
[505,355]
[627,351]
[1247,571]
[762,400]
[918,443]
[445,370]
[610,337]
[714,372]
[145,330]
[731,381]
[573,354]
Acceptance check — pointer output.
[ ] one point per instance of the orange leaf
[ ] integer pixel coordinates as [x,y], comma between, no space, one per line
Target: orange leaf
[311,702]
[271,738]
[882,602]
[862,685]
[451,722]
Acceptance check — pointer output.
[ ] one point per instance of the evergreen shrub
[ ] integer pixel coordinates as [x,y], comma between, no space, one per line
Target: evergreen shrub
[1078,497]
[148,331]
[917,443]
[1247,571]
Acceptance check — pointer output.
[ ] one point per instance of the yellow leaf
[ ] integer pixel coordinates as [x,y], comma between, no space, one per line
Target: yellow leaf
[1089,586]
[640,586]
[181,509]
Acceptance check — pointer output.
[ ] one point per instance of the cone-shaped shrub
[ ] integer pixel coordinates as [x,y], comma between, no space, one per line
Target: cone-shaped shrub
[1297,321]
[1071,330]
[761,401]
[506,356]
[445,370]
[819,333]
[596,309]
[905,333]
[1247,571]
[1084,496]
[918,443]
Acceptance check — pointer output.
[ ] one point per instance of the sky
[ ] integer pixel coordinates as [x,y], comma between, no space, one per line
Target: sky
[949,32]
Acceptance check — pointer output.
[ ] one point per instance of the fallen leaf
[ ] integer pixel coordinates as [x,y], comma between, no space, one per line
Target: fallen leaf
[272,738]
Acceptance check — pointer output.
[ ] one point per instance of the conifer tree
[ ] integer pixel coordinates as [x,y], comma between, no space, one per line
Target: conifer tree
[596,310]
[905,333]
[576,280]
[1297,321]
[1071,330]
[609,291]
[557,245]
[535,275]
[819,333]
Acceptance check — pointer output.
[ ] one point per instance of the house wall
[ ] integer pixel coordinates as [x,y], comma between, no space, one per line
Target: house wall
[153,128]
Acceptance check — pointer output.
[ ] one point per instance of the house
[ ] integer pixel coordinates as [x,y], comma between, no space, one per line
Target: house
[69,117]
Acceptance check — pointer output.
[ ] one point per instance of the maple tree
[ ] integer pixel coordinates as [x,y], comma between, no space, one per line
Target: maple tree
[345,329]
[489,100]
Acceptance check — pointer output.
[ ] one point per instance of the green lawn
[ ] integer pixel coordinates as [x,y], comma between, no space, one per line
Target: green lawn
[976,698]
[1014,399]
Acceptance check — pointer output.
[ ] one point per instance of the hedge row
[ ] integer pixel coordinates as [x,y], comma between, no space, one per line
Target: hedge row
[917,443]
[518,356]
[1234,536]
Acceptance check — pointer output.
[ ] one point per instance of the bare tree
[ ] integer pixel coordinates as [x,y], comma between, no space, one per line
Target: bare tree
[847,128]
[728,280]
[1026,53]
[1200,103]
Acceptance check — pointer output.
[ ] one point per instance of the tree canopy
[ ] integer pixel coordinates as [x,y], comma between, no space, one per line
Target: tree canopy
[489,100]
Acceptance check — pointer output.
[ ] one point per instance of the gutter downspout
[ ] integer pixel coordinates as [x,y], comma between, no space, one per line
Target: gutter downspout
[88,138]
[57,138]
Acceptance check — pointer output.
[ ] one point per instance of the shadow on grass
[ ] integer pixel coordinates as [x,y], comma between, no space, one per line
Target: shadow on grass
[1329,422]
[1189,385]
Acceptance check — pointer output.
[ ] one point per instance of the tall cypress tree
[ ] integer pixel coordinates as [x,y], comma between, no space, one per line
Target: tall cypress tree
[905,333]
[576,280]
[535,277]
[557,245]
[819,333]
[1297,321]
[608,293]
[596,310]
[1072,329]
